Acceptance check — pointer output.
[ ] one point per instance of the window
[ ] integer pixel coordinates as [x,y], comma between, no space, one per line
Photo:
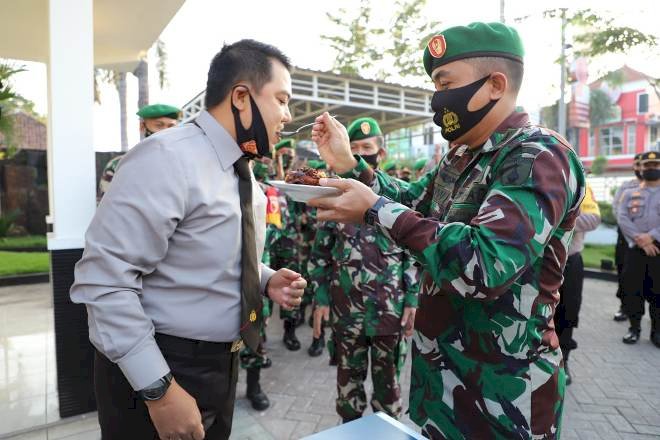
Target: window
[643,103]
[611,140]
[631,131]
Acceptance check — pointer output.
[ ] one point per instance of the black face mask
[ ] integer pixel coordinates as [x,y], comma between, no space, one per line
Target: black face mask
[253,141]
[451,112]
[638,174]
[651,175]
[371,159]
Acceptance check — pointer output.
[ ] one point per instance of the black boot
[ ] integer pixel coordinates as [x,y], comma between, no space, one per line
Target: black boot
[632,337]
[620,315]
[254,394]
[290,340]
[316,348]
[569,378]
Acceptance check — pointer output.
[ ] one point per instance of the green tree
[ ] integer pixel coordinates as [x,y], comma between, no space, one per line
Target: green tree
[409,34]
[599,165]
[353,44]
[601,108]
[10,101]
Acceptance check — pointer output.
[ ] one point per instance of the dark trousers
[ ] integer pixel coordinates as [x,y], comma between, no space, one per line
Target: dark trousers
[619,260]
[207,371]
[570,300]
[641,281]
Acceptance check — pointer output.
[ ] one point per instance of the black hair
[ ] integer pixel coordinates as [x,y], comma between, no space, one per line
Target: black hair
[245,60]
[512,69]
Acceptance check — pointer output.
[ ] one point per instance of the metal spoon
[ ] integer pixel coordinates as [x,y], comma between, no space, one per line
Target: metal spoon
[296,131]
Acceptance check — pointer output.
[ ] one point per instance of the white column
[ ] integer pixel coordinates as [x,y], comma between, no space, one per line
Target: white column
[71,165]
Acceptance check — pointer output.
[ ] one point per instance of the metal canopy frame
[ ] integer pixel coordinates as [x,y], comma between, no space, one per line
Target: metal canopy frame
[392,105]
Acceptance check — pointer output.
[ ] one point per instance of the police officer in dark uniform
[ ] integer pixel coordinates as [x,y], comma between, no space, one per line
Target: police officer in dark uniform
[621,244]
[639,219]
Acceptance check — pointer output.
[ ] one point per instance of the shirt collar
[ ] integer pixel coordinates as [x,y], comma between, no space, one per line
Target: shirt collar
[511,125]
[225,146]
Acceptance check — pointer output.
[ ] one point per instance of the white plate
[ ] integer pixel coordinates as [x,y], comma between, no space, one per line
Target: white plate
[302,193]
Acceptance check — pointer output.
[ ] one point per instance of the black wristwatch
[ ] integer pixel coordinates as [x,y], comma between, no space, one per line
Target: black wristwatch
[371,214]
[157,389]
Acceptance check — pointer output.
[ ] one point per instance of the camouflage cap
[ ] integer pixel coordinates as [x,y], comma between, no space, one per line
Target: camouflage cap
[419,164]
[285,143]
[158,111]
[474,40]
[650,156]
[363,128]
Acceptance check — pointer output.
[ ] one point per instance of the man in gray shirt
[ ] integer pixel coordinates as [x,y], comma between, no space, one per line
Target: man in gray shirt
[638,216]
[169,274]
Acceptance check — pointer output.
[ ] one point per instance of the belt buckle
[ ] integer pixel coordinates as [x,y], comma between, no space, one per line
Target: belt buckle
[236,345]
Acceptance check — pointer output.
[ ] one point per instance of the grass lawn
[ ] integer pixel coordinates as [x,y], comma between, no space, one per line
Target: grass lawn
[593,253]
[28,241]
[13,263]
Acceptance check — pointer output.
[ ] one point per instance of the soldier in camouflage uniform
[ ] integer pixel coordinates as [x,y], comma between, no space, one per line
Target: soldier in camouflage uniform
[490,226]
[153,118]
[371,286]
[282,243]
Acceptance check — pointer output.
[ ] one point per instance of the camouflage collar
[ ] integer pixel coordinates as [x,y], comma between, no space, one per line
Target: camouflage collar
[508,129]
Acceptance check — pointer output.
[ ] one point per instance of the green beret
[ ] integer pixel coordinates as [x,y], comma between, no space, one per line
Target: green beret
[316,164]
[474,40]
[285,143]
[389,165]
[363,128]
[419,164]
[650,156]
[158,111]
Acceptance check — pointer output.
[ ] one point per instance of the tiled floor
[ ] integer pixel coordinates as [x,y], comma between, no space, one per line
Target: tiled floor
[615,394]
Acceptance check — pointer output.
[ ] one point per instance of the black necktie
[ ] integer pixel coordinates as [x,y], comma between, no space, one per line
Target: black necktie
[251,300]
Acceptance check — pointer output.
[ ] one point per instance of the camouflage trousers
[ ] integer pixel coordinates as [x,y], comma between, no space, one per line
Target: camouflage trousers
[353,361]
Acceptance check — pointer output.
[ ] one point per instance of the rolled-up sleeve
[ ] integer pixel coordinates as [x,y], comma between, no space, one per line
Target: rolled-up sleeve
[127,238]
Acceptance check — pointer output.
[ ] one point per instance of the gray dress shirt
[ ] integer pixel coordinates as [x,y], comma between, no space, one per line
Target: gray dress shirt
[163,252]
[639,213]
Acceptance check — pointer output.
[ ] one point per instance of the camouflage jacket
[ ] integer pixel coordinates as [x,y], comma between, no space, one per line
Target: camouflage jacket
[491,228]
[365,278]
[107,175]
[282,242]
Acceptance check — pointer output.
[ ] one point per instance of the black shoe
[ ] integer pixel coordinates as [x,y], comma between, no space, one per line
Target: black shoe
[632,337]
[267,363]
[569,378]
[257,398]
[316,348]
[290,340]
[620,316]
[655,338]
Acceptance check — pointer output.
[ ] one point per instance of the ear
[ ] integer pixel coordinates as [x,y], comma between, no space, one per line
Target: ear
[499,83]
[143,127]
[240,97]
[382,154]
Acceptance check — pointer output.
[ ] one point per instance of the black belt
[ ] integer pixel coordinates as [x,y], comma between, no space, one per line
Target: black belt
[194,346]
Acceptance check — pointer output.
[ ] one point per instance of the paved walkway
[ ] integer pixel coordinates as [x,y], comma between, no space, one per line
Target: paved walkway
[615,393]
